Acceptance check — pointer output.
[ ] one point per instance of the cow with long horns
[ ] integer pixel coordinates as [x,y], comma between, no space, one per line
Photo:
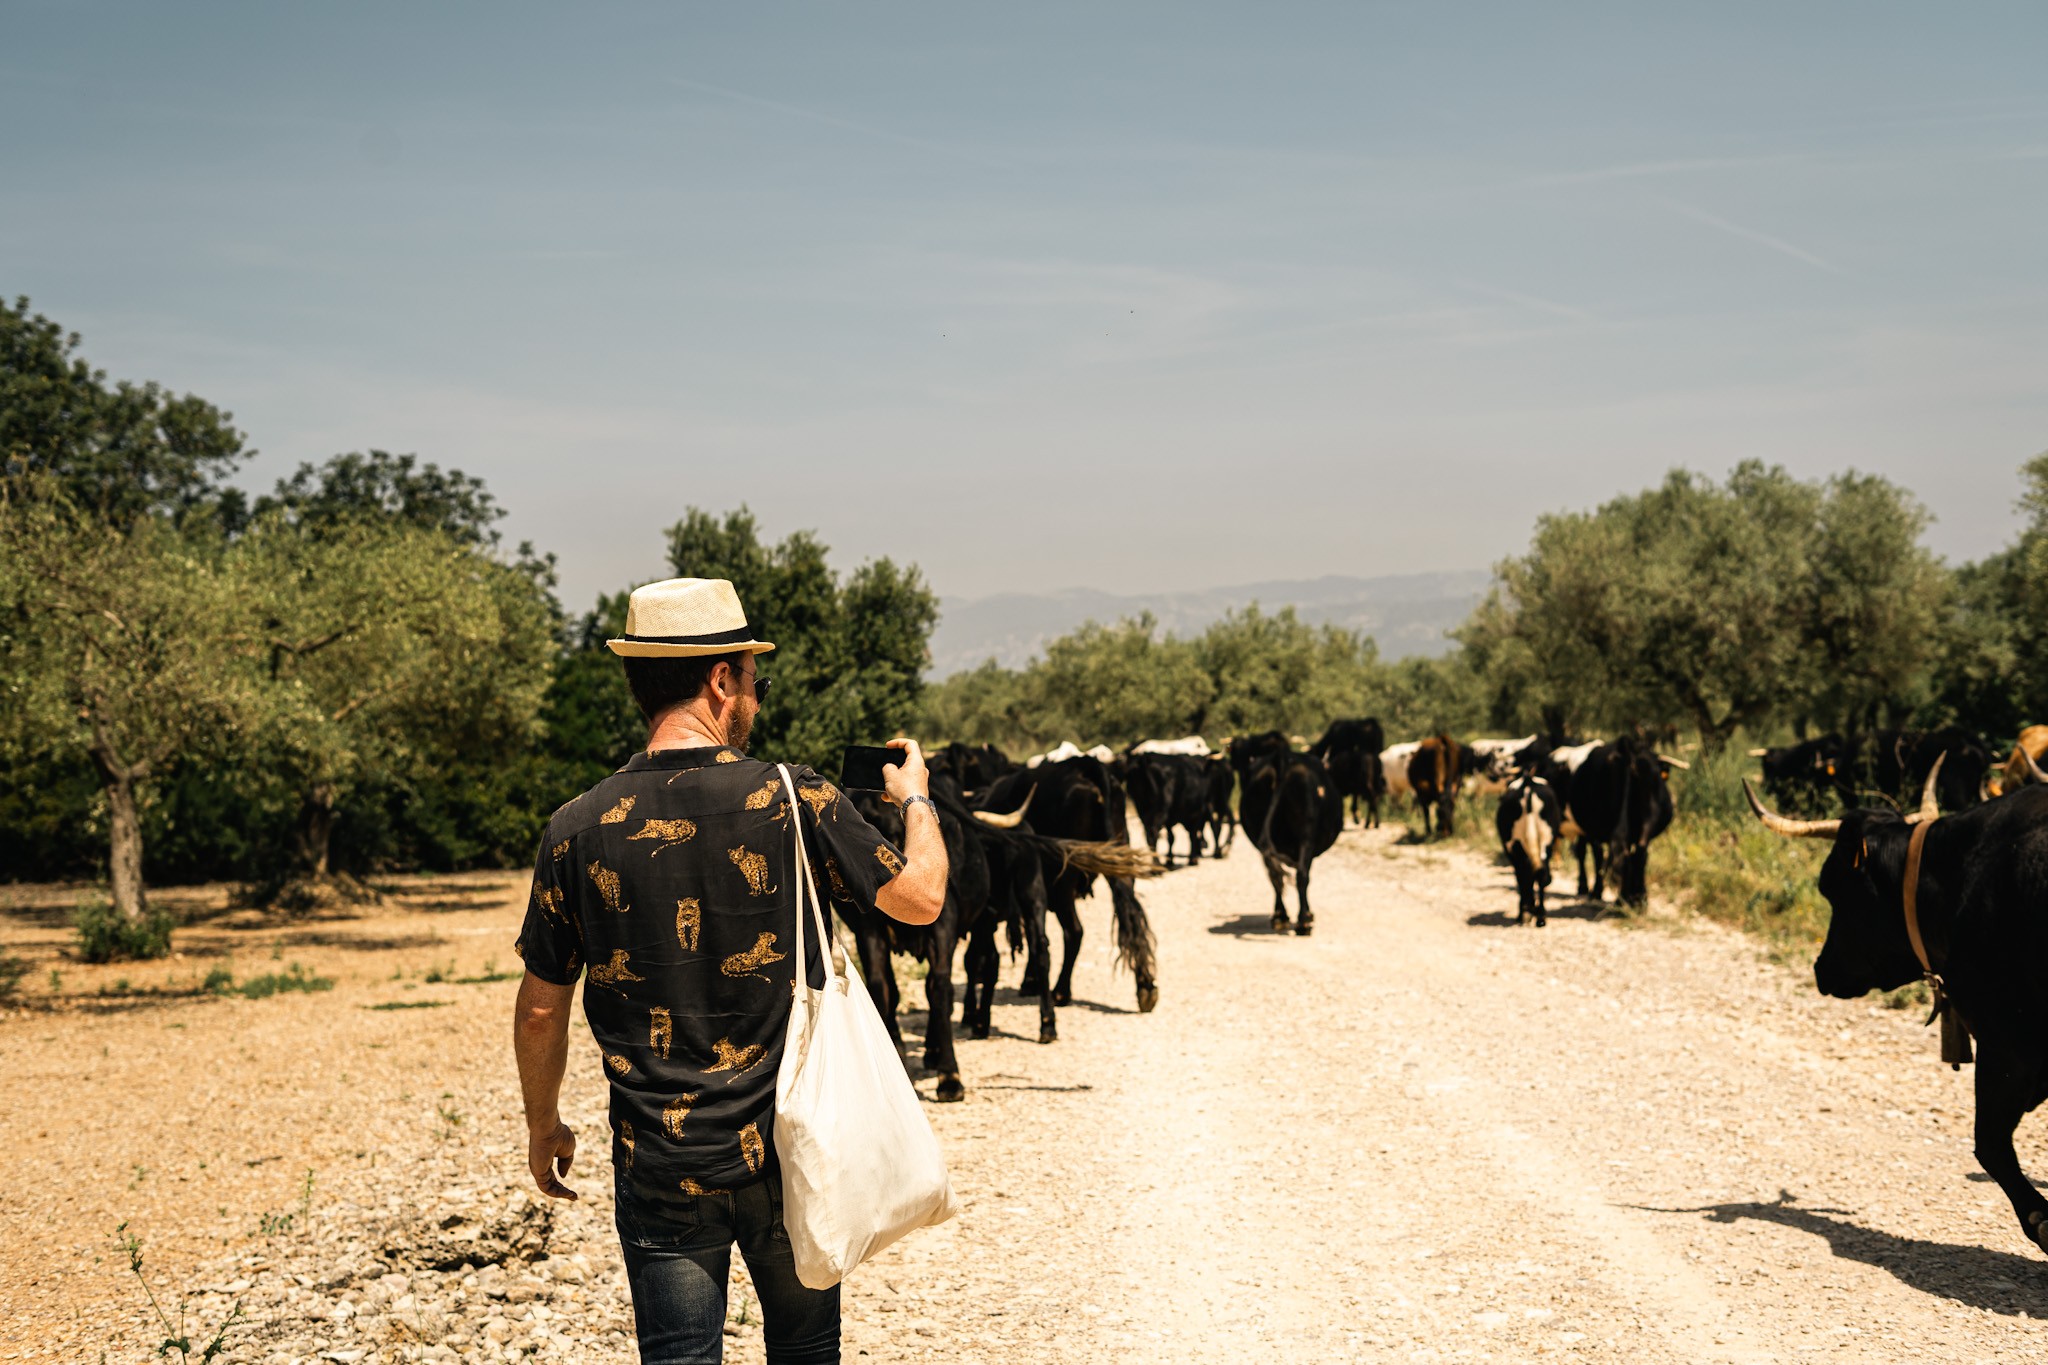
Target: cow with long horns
[1079,799]
[1957,900]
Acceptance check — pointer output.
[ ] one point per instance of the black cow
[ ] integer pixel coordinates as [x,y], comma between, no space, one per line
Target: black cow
[1898,762]
[1169,791]
[1620,799]
[1433,774]
[968,914]
[1292,813]
[973,766]
[1528,820]
[1076,799]
[1802,775]
[1222,803]
[1982,885]
[1350,749]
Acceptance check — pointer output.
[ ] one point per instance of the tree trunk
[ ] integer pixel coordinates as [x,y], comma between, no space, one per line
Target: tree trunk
[316,830]
[124,832]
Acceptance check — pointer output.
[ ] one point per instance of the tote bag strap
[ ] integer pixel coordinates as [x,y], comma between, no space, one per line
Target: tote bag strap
[807,895]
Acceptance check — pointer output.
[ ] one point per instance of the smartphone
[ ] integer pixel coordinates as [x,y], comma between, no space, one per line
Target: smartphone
[861,769]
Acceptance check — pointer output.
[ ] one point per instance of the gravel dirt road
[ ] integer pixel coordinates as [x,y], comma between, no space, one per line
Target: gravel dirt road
[1421,1134]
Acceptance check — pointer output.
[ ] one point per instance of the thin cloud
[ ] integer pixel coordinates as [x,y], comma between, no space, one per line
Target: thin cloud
[1637,169]
[830,120]
[1532,301]
[1763,239]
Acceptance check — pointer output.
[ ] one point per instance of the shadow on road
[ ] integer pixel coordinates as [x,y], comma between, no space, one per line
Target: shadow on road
[1250,926]
[1562,909]
[1995,1281]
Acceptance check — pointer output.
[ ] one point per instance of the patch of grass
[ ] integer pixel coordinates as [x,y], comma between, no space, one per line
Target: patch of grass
[273,1224]
[293,978]
[489,974]
[437,974]
[1717,860]
[105,935]
[409,1005]
[176,1337]
[219,981]
[12,970]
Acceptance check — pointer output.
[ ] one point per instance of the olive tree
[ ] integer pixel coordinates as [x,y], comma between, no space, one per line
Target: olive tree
[118,644]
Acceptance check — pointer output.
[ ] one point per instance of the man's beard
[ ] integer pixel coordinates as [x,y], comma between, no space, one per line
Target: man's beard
[740,728]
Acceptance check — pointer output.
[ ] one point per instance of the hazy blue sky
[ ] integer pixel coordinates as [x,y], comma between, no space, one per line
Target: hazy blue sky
[1131,296]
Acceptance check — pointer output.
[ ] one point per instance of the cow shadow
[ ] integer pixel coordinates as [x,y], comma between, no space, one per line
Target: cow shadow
[1249,926]
[1994,1281]
[1010,995]
[1564,908]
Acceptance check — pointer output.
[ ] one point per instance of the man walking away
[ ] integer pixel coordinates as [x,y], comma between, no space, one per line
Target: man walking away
[671,888]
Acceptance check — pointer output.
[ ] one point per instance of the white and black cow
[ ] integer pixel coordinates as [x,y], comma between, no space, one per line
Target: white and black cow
[1528,821]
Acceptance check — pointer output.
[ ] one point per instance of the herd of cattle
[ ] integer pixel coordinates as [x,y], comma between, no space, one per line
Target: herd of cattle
[1955,892]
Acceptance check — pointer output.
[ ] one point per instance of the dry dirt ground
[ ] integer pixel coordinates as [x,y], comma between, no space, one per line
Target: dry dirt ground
[1421,1134]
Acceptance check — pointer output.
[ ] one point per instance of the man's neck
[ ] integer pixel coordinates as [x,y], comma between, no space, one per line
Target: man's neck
[689,726]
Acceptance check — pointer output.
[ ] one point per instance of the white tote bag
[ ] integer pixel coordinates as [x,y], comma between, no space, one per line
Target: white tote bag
[860,1164]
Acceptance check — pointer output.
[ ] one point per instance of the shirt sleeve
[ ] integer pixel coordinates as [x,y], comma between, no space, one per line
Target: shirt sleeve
[551,940]
[858,861]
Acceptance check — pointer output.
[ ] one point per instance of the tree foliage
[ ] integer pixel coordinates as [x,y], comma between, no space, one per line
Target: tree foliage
[117,451]
[116,651]
[1722,605]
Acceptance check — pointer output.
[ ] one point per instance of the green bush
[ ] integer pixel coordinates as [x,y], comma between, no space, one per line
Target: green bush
[104,935]
[293,978]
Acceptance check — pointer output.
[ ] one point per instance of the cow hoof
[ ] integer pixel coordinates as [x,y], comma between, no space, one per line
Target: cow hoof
[1048,1035]
[979,1031]
[1302,928]
[950,1090]
[1542,923]
[1148,999]
[1280,925]
[1063,998]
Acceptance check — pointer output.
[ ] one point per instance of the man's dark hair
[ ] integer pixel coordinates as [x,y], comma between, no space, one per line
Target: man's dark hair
[659,683]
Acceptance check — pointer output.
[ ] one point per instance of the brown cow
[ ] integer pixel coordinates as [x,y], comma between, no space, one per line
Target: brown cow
[1433,775]
[2028,757]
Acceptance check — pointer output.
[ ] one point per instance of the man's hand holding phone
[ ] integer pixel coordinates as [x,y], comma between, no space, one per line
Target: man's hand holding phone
[907,778]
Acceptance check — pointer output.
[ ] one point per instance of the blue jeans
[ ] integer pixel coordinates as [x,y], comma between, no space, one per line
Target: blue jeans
[678,1254]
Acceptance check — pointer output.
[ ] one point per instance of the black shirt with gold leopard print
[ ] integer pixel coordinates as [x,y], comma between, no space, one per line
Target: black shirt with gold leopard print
[671,882]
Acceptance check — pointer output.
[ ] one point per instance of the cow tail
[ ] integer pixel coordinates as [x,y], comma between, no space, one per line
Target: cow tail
[1132,930]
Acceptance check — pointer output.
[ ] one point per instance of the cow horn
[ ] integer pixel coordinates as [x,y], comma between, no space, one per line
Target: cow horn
[2033,768]
[1678,763]
[1013,819]
[1791,829]
[1930,809]
[1758,753]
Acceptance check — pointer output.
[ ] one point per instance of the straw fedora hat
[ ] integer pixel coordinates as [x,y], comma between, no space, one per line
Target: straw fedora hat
[681,617]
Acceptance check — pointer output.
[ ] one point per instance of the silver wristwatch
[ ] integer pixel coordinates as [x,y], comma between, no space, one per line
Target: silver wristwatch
[910,801]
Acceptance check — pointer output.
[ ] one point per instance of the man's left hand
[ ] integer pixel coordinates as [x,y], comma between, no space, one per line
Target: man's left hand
[543,1149]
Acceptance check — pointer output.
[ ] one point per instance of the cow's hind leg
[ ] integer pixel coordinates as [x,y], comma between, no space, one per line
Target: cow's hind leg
[938,995]
[881,979]
[984,960]
[1307,919]
[1276,872]
[1579,852]
[1070,943]
[2007,1089]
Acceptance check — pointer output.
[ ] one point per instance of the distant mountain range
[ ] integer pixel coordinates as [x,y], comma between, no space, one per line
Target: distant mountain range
[1407,613]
